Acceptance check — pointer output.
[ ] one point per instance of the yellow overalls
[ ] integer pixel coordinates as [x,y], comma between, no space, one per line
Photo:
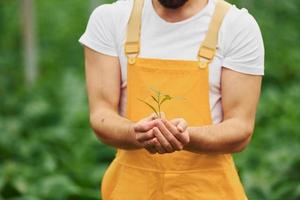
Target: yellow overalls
[138,175]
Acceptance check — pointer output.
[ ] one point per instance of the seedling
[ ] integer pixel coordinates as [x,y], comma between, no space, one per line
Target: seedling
[159,98]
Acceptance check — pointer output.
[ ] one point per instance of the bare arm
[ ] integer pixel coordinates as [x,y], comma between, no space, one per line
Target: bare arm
[240,95]
[103,79]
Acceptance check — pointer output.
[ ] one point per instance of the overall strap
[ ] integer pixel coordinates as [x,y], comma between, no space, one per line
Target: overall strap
[208,48]
[132,45]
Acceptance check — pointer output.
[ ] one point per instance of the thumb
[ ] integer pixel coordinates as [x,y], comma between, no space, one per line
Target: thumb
[180,123]
[145,124]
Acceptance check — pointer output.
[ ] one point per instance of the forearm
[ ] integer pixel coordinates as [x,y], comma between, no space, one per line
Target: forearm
[113,130]
[230,136]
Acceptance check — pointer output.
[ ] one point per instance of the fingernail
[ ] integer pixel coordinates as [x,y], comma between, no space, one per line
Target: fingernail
[180,128]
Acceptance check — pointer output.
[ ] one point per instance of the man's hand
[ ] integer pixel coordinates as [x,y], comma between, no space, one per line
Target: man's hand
[162,136]
[144,133]
[183,134]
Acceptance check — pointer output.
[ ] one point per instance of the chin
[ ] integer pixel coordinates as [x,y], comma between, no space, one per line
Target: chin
[172,4]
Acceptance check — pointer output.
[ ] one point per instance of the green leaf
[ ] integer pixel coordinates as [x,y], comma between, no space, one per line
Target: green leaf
[149,106]
[158,97]
[154,99]
[166,97]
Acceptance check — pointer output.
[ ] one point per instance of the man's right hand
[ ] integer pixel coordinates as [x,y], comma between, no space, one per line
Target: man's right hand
[145,136]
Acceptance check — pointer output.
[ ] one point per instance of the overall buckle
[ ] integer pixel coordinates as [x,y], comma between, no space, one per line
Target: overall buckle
[132,51]
[205,56]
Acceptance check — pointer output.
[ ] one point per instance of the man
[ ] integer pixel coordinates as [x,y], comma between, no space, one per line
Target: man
[131,46]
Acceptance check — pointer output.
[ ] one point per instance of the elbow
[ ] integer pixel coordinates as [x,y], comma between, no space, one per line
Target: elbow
[241,147]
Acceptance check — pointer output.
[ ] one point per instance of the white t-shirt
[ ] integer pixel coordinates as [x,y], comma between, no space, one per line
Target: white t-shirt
[240,44]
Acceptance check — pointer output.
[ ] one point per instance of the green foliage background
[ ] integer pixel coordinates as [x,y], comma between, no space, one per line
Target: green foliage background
[48,151]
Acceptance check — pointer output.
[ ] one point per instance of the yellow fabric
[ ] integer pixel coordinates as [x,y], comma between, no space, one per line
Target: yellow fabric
[132,45]
[211,39]
[138,175]
[208,48]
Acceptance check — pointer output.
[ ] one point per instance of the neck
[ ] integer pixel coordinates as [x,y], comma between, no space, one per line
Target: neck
[186,11]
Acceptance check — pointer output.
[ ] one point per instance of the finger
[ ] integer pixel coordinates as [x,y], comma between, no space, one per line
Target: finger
[151,150]
[182,126]
[158,146]
[175,121]
[180,123]
[144,136]
[162,140]
[144,126]
[149,146]
[171,127]
[183,137]
[149,118]
[169,132]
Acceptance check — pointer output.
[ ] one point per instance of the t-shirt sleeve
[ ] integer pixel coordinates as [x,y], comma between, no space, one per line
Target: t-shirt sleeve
[99,33]
[243,48]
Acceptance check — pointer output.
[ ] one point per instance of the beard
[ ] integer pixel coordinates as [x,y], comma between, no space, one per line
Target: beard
[172,4]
